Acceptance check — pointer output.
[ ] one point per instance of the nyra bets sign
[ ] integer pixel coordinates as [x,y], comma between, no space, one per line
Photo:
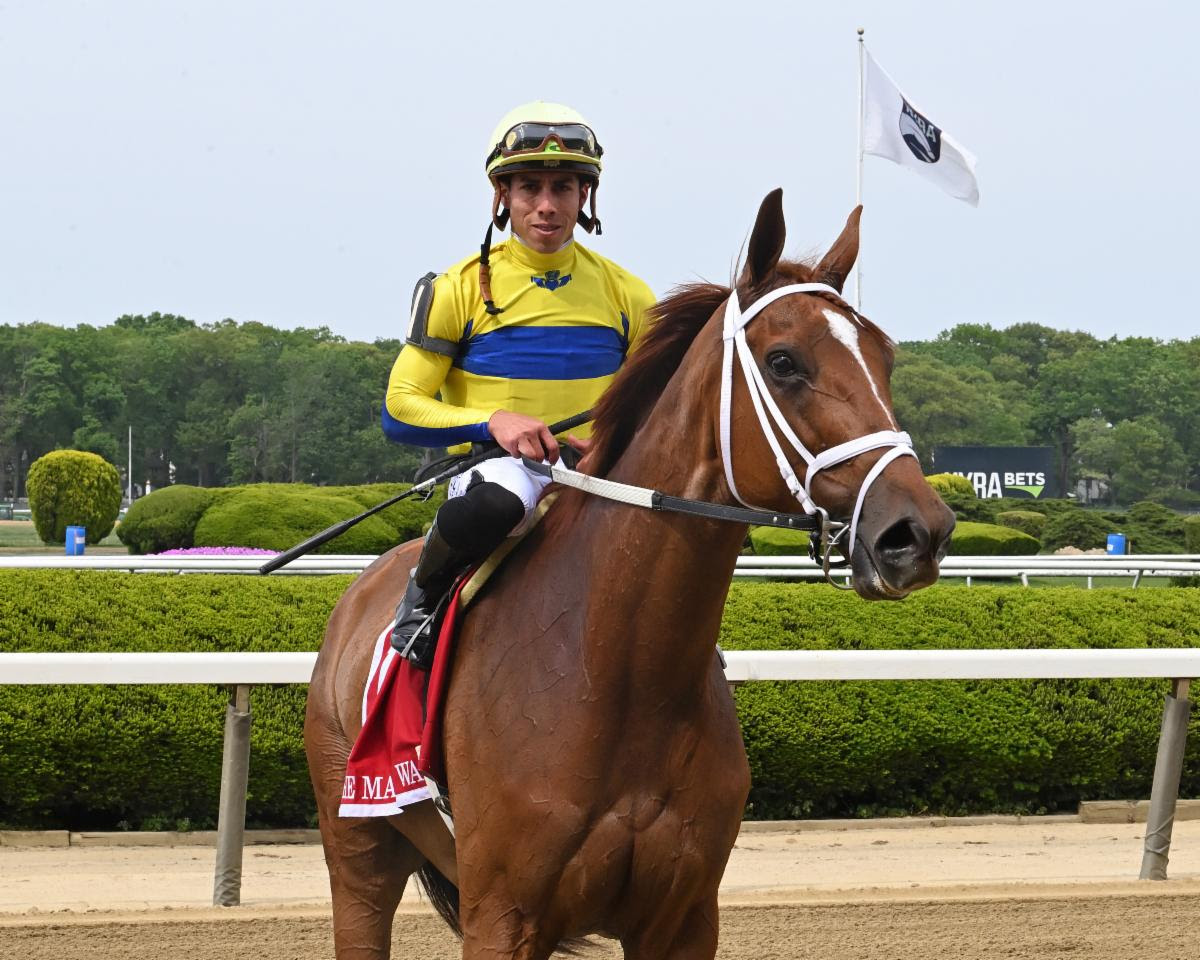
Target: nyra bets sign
[1001,471]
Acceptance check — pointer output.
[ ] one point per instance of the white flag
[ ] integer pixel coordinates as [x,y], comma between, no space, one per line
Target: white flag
[894,128]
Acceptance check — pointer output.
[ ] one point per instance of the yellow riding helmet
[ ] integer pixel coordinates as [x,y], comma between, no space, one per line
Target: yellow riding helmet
[543,136]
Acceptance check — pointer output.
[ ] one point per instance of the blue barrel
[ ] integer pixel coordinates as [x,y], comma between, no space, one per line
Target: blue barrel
[1116,543]
[76,540]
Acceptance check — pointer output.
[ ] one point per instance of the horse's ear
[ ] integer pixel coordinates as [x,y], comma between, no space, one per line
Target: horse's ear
[836,265]
[766,240]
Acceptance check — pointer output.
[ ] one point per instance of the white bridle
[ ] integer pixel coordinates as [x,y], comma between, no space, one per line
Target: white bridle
[734,336]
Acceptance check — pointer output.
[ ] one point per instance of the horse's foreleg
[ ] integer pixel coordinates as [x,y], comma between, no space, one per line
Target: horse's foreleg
[694,938]
[369,864]
[497,929]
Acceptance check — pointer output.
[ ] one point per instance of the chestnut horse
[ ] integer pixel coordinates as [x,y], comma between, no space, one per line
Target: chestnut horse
[595,763]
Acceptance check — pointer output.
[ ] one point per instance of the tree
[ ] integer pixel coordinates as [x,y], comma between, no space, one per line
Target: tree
[1152,460]
[940,404]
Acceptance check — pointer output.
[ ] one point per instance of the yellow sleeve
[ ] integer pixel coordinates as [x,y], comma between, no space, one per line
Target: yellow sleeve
[412,412]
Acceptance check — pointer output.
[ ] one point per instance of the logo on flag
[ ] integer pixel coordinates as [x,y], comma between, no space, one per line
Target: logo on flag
[922,137]
[895,129]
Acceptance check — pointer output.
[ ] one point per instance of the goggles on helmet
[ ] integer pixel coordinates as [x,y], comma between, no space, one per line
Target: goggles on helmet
[532,137]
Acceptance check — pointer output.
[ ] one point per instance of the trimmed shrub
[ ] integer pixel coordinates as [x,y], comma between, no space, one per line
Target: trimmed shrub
[93,757]
[1191,533]
[778,542]
[1079,528]
[409,518]
[959,496]
[73,488]
[88,757]
[945,483]
[1030,522]
[990,540]
[165,519]
[1050,506]
[278,516]
[1153,528]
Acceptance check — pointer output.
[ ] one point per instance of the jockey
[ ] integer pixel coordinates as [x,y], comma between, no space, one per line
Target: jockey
[528,332]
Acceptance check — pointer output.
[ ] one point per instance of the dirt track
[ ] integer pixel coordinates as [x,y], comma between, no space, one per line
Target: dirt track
[1045,890]
[1097,928]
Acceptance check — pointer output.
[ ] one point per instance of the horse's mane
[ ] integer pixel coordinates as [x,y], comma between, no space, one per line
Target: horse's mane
[674,324]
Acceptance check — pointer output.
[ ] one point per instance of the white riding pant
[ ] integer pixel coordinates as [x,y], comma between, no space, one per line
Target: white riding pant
[513,476]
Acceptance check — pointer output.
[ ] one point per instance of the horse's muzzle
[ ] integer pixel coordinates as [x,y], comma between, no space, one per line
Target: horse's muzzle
[904,556]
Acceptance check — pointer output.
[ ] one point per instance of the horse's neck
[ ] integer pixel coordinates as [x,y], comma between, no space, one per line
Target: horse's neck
[668,574]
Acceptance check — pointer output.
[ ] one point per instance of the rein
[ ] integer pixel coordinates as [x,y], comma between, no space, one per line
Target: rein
[826,533]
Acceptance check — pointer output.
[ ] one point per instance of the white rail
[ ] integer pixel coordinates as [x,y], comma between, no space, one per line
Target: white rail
[232,669]
[1132,566]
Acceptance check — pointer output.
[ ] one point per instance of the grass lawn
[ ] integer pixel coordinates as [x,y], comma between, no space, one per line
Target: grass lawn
[19,536]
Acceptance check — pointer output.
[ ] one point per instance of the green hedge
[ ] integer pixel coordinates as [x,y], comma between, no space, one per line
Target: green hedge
[1082,529]
[1191,529]
[95,757]
[272,516]
[777,542]
[279,518]
[1029,522]
[73,488]
[1153,528]
[149,756]
[945,483]
[990,540]
[968,539]
[165,519]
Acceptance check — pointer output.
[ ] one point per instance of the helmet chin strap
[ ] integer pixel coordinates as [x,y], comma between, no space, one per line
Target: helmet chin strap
[591,224]
[499,219]
[768,413]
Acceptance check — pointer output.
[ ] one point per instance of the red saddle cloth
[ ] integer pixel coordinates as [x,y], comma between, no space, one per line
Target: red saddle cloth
[400,743]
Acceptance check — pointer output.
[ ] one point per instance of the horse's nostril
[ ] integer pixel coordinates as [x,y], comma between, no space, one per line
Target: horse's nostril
[902,536]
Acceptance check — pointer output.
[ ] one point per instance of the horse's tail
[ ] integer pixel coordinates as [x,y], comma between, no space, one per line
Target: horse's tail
[444,897]
[442,894]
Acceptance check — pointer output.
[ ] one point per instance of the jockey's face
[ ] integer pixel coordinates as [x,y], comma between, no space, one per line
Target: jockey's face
[544,205]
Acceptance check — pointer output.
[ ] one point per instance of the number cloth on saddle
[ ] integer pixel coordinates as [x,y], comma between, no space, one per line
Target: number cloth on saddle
[399,747]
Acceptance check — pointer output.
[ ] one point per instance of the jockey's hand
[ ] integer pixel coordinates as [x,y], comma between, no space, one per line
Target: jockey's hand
[523,436]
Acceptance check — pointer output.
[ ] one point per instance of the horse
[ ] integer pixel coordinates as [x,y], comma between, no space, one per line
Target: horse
[594,760]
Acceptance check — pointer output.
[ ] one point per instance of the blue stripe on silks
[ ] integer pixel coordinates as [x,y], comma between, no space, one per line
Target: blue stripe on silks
[401,432]
[543,353]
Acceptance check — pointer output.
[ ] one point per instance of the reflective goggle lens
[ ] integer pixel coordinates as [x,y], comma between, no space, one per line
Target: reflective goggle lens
[574,137]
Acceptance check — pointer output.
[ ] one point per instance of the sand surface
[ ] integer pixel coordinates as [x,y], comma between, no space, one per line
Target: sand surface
[1041,889]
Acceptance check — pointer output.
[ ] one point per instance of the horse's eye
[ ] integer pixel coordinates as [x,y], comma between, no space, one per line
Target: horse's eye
[781,364]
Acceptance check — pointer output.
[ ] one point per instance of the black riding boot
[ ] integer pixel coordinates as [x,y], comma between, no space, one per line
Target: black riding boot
[465,530]
[413,635]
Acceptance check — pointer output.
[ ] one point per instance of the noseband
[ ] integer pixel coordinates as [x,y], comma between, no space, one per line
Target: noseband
[767,411]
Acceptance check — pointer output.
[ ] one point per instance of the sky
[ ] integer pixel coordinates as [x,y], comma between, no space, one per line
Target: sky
[303,163]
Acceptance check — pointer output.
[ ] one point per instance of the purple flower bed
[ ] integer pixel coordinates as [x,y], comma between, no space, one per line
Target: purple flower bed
[217,552]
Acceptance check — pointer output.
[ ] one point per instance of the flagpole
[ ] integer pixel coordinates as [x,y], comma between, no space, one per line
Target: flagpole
[858,201]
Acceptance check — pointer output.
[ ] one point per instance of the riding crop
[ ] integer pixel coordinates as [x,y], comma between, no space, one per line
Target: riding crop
[424,488]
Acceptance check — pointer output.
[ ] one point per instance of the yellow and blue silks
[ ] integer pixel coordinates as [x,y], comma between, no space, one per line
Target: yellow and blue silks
[569,320]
